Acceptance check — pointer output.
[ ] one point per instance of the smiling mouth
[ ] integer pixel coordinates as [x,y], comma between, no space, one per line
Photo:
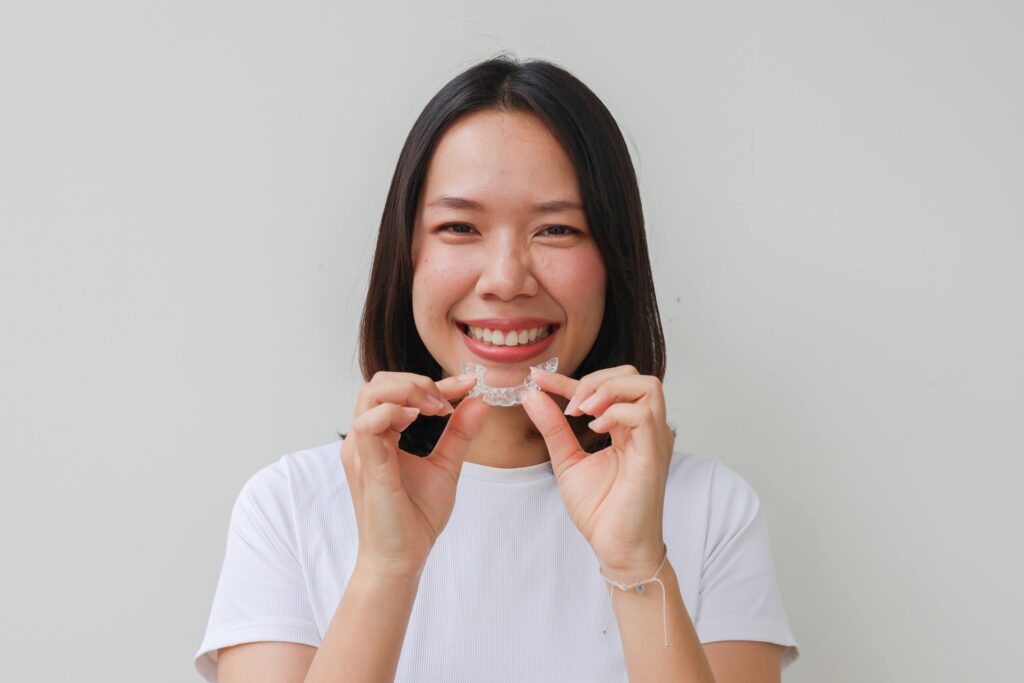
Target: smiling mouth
[509,339]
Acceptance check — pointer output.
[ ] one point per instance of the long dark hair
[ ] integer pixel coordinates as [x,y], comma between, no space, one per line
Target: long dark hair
[630,332]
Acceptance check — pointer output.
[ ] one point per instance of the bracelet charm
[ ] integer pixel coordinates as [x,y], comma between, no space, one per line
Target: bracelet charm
[640,588]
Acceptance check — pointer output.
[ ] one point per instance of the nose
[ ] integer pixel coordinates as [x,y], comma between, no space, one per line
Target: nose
[507,271]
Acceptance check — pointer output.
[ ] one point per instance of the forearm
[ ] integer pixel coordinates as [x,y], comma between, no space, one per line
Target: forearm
[641,624]
[364,639]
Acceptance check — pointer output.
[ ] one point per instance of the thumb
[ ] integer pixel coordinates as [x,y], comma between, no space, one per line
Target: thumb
[451,448]
[562,444]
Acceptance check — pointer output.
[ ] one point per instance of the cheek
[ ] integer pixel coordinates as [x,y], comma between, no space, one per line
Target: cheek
[438,281]
[577,281]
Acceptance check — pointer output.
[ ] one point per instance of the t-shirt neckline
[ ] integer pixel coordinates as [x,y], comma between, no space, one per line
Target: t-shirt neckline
[508,475]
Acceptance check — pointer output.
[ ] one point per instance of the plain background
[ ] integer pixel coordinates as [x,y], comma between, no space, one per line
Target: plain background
[189,194]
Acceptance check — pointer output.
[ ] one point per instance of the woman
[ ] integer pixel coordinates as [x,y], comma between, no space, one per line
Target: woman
[512,234]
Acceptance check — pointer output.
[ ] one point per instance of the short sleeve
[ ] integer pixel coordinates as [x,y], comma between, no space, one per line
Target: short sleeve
[261,593]
[739,594]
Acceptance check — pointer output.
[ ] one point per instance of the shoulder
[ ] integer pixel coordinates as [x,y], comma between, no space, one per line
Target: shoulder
[710,500]
[737,597]
[293,480]
[710,480]
[315,471]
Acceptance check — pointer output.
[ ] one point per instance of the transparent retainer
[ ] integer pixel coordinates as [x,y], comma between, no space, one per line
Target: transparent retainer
[505,396]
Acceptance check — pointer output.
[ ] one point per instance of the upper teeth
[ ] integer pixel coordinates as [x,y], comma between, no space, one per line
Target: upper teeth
[511,338]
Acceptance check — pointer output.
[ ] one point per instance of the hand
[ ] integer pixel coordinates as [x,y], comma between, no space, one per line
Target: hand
[402,501]
[616,497]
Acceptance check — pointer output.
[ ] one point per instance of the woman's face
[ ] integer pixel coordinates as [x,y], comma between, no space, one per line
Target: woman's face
[501,245]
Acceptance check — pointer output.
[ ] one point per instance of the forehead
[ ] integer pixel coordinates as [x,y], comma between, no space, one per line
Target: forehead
[503,155]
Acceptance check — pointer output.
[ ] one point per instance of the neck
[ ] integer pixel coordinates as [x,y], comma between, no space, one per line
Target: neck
[507,438]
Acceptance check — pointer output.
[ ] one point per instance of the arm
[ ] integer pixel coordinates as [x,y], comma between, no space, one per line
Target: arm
[618,496]
[362,643]
[264,661]
[639,616]
[401,504]
[364,639]
[746,661]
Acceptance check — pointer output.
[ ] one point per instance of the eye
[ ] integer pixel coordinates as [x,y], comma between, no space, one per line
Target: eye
[568,230]
[450,227]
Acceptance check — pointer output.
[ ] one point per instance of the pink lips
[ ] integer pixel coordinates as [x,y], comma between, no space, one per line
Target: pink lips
[508,354]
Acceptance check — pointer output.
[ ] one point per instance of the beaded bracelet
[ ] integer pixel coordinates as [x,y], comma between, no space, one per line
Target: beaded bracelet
[639,587]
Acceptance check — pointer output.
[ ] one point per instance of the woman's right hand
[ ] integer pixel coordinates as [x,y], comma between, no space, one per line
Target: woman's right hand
[402,501]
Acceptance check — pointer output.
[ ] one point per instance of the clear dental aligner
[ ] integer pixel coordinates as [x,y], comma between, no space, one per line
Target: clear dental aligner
[505,396]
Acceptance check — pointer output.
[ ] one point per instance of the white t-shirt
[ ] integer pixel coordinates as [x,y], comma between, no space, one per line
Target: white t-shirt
[511,590]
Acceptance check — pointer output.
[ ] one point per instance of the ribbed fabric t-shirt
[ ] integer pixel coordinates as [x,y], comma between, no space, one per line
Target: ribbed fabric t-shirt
[511,591]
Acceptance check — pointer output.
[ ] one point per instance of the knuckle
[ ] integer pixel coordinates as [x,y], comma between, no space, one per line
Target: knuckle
[422,395]
[424,383]
[361,425]
[413,380]
[359,428]
[644,413]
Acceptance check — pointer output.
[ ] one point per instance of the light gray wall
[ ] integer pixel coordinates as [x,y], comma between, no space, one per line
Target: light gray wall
[188,198]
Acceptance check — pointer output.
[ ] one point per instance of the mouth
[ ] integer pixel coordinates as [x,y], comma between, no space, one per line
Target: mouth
[509,338]
[508,346]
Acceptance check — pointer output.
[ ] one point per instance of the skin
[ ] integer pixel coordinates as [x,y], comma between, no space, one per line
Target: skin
[732,661]
[508,261]
[504,260]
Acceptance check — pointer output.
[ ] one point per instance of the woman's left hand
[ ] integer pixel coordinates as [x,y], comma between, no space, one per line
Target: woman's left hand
[616,497]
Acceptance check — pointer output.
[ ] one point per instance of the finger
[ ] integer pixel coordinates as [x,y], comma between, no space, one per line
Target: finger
[562,444]
[591,382]
[563,385]
[457,386]
[378,420]
[635,417]
[403,388]
[371,427]
[450,450]
[626,389]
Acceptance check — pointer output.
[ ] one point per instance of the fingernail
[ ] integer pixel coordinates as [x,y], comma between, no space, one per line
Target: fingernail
[466,376]
[410,411]
[589,404]
[437,404]
[571,407]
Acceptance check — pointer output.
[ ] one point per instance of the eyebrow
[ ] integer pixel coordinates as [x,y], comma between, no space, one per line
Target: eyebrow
[551,206]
